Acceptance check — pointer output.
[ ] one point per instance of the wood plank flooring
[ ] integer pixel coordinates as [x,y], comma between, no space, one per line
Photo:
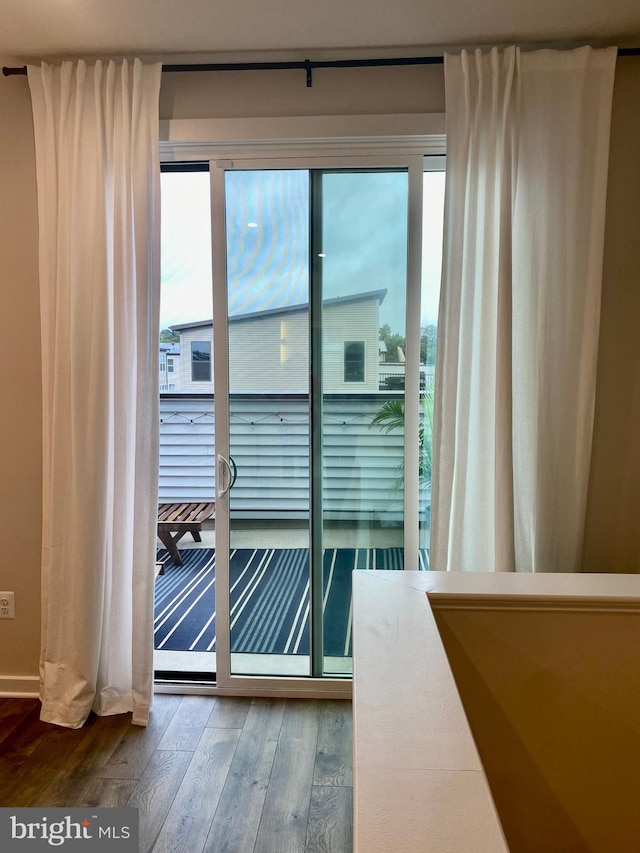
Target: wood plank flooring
[215,774]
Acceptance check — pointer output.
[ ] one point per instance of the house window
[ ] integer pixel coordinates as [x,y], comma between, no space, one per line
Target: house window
[170,365]
[354,361]
[201,361]
[163,364]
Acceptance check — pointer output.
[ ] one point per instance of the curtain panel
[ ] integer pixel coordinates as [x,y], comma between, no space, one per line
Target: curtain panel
[527,159]
[98,182]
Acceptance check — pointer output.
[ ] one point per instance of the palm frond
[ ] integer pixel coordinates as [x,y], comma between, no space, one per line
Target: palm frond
[390,416]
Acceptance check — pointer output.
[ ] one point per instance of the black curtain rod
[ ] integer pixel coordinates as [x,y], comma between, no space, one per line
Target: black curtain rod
[308,65]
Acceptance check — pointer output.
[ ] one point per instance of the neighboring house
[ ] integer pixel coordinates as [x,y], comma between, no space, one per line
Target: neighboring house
[269,350]
[170,376]
[269,421]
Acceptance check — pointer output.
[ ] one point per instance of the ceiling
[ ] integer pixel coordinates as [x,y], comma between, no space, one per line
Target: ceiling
[316,29]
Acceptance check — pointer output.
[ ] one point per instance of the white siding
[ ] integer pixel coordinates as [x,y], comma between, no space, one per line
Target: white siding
[269,353]
[352,321]
[174,377]
[187,337]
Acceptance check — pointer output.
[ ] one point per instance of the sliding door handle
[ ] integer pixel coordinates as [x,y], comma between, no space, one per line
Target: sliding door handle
[225,476]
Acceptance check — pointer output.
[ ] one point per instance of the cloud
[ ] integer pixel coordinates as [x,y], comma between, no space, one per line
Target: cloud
[362,234]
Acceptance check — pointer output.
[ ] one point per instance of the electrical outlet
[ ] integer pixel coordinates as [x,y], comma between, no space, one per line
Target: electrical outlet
[7,606]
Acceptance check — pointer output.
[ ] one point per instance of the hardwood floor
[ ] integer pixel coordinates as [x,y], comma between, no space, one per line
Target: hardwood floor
[221,775]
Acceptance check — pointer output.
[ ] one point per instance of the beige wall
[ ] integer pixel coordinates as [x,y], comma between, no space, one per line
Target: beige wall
[612,540]
[362,91]
[612,536]
[552,699]
[20,449]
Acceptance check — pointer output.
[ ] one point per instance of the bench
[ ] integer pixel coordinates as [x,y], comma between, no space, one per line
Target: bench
[174,520]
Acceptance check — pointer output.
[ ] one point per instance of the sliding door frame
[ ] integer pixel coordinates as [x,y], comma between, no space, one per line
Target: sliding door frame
[413,164]
[400,141]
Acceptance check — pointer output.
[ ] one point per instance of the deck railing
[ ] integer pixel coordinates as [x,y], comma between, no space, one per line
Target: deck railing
[362,465]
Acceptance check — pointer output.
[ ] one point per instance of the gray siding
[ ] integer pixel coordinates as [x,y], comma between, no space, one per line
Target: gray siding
[187,452]
[270,445]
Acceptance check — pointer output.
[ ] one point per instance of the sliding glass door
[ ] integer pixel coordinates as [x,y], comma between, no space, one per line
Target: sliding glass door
[358,285]
[269,362]
[312,267]
[326,278]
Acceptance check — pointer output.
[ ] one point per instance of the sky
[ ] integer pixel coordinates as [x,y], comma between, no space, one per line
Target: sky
[361,241]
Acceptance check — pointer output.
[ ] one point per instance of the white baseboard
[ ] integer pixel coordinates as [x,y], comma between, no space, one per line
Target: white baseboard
[19,686]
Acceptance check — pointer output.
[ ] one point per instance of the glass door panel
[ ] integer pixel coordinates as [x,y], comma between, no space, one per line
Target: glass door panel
[185,591]
[432,226]
[360,262]
[267,242]
[316,271]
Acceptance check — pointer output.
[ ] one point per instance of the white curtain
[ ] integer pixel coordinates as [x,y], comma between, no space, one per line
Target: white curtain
[527,157]
[98,178]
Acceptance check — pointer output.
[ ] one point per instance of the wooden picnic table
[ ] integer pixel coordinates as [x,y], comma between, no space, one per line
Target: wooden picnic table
[174,520]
